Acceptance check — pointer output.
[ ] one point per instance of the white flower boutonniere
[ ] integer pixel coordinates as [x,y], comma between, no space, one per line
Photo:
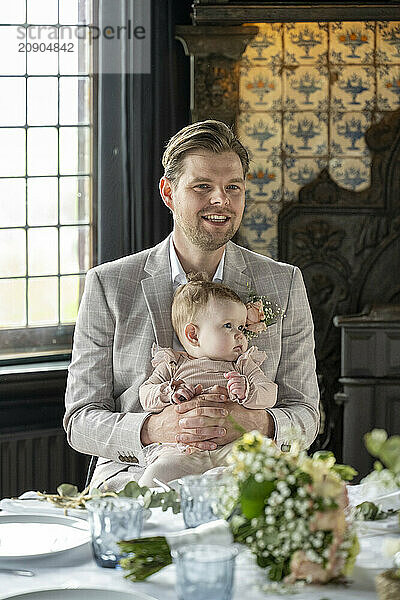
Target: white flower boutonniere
[261,313]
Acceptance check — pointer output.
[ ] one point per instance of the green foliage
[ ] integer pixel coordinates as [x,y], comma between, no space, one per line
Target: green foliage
[387,450]
[67,490]
[146,557]
[345,472]
[69,497]
[253,495]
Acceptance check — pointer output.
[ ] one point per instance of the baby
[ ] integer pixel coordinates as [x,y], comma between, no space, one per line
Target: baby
[209,320]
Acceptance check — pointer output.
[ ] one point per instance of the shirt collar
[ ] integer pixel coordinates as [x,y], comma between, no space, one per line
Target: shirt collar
[178,275]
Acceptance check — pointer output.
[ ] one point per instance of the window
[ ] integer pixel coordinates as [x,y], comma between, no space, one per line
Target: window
[46,157]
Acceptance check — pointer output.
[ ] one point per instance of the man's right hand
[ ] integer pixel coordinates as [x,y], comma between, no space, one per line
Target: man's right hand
[164,426]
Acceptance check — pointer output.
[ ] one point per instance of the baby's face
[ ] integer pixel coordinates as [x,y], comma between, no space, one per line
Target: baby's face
[220,330]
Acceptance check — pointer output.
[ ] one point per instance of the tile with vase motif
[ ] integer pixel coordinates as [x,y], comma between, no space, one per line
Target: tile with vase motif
[351,173]
[352,42]
[388,41]
[304,43]
[261,89]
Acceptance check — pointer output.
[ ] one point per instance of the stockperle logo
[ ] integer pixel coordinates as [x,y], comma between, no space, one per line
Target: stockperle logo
[119,43]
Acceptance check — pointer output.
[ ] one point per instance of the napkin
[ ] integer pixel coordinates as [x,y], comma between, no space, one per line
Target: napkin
[29,503]
[371,492]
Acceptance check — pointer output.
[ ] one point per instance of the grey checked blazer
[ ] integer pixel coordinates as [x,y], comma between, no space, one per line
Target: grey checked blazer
[126,307]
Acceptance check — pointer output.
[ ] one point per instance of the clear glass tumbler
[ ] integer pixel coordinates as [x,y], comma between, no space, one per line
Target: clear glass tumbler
[200,497]
[112,520]
[205,571]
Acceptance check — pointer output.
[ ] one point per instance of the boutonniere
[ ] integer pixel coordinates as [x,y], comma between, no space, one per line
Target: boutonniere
[261,313]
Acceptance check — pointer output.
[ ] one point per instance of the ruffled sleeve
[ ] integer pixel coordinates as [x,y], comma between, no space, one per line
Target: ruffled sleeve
[161,355]
[256,355]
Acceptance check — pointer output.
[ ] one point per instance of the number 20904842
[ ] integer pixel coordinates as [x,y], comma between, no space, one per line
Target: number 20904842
[42,47]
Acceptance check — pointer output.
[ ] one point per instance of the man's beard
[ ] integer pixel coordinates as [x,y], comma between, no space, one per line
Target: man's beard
[205,240]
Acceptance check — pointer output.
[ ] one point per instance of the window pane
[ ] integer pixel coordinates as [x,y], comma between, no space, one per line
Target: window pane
[43,301]
[42,101]
[12,152]
[12,304]
[12,62]
[43,201]
[74,150]
[12,252]
[74,200]
[43,11]
[42,62]
[76,62]
[42,151]
[74,11]
[12,101]
[12,202]
[71,290]
[42,251]
[74,101]
[13,12]
[74,249]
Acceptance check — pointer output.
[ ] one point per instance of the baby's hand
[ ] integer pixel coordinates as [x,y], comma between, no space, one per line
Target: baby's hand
[236,385]
[184,392]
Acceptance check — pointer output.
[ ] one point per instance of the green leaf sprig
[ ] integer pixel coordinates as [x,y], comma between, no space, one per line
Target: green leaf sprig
[69,497]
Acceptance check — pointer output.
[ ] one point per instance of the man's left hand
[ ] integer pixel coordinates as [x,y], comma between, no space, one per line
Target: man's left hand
[193,421]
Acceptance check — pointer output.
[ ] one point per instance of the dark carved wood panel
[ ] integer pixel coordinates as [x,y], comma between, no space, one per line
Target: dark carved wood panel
[234,13]
[215,54]
[348,247]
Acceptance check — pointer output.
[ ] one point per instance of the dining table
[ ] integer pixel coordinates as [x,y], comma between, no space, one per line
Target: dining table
[76,568]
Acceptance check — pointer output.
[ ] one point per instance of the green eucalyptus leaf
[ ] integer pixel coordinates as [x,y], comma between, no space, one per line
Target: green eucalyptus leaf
[132,490]
[68,490]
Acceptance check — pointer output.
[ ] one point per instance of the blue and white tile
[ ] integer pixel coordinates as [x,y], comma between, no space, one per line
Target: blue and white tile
[261,89]
[348,134]
[306,86]
[298,173]
[304,42]
[352,42]
[260,133]
[388,89]
[354,88]
[351,173]
[304,133]
[264,179]
[259,229]
[388,41]
[266,47]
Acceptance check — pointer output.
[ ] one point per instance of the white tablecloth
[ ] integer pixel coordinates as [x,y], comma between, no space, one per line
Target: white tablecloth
[77,569]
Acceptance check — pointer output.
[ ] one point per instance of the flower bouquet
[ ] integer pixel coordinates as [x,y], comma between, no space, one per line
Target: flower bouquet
[287,508]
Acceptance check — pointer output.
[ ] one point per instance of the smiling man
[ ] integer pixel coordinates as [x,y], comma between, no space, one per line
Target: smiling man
[126,307]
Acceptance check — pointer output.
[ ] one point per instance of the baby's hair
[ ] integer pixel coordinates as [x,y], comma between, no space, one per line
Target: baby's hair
[193,296]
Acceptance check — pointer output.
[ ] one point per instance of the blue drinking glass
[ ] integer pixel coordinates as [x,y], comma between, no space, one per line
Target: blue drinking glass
[112,520]
[205,571]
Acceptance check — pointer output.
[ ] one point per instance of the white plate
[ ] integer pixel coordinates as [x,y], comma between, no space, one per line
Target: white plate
[29,536]
[79,594]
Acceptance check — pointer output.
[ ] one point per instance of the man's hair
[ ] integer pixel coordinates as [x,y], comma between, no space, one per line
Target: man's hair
[210,135]
[192,297]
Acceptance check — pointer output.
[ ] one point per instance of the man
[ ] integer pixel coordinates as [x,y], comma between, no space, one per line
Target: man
[126,307]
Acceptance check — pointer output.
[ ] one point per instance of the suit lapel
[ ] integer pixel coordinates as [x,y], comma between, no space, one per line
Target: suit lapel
[158,292]
[236,275]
